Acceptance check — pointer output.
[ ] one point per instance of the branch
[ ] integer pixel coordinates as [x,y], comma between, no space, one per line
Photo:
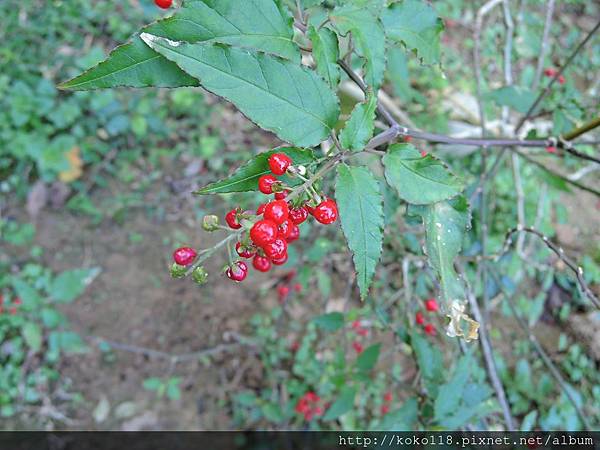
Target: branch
[544,49]
[577,270]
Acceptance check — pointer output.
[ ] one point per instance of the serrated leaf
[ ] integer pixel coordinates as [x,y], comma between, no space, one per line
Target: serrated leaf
[332,321]
[417,25]
[258,24]
[360,205]
[326,52]
[32,334]
[368,358]
[419,180]
[429,359]
[450,394]
[359,127]
[516,97]
[343,404]
[278,95]
[245,178]
[369,37]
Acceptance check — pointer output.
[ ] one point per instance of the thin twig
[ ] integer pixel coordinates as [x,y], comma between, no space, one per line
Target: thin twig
[544,45]
[542,353]
[572,265]
[488,356]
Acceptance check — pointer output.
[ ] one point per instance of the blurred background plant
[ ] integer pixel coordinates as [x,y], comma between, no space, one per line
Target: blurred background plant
[95,192]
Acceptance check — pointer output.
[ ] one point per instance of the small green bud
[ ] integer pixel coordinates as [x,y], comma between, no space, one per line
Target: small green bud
[199,275]
[178,271]
[210,223]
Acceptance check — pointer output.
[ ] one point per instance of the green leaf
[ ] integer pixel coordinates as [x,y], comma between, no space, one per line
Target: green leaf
[359,128]
[415,24]
[360,206]
[32,334]
[343,404]
[330,322]
[278,95]
[259,25]
[450,394]
[26,293]
[419,180]
[69,285]
[429,359]
[402,419]
[369,38]
[516,97]
[246,177]
[445,224]
[131,65]
[326,53]
[152,384]
[368,358]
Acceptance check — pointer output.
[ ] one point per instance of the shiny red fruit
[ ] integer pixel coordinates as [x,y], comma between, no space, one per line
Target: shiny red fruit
[263,232]
[232,219]
[164,4]
[280,261]
[261,263]
[184,256]
[388,397]
[549,72]
[420,318]
[277,211]
[238,271]
[385,409]
[283,291]
[551,149]
[294,233]
[245,251]
[261,209]
[265,184]
[281,195]
[561,79]
[431,305]
[357,346]
[285,229]
[430,329]
[326,212]
[276,249]
[279,163]
[298,287]
[298,215]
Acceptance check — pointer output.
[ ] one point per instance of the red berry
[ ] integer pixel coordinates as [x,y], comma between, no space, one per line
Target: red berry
[561,79]
[261,263]
[12,311]
[294,234]
[164,4]
[430,329]
[298,287]
[356,325]
[295,346]
[362,332]
[549,72]
[232,219]
[184,256]
[357,346]
[276,249]
[245,251]
[551,149]
[280,261]
[407,138]
[423,153]
[277,211]
[419,318]
[238,271]
[263,232]
[283,292]
[431,305]
[298,215]
[285,229]
[279,163]
[265,184]
[261,209]
[385,409]
[281,195]
[17,301]
[387,397]
[326,212]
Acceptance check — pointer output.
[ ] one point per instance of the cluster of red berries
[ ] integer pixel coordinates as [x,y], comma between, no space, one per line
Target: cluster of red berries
[431,306]
[284,290]
[387,399]
[310,406]
[551,72]
[360,331]
[13,309]
[268,238]
[164,4]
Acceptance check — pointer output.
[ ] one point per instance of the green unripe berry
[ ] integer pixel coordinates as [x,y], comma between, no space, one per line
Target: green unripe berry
[210,223]
[178,271]
[199,275]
